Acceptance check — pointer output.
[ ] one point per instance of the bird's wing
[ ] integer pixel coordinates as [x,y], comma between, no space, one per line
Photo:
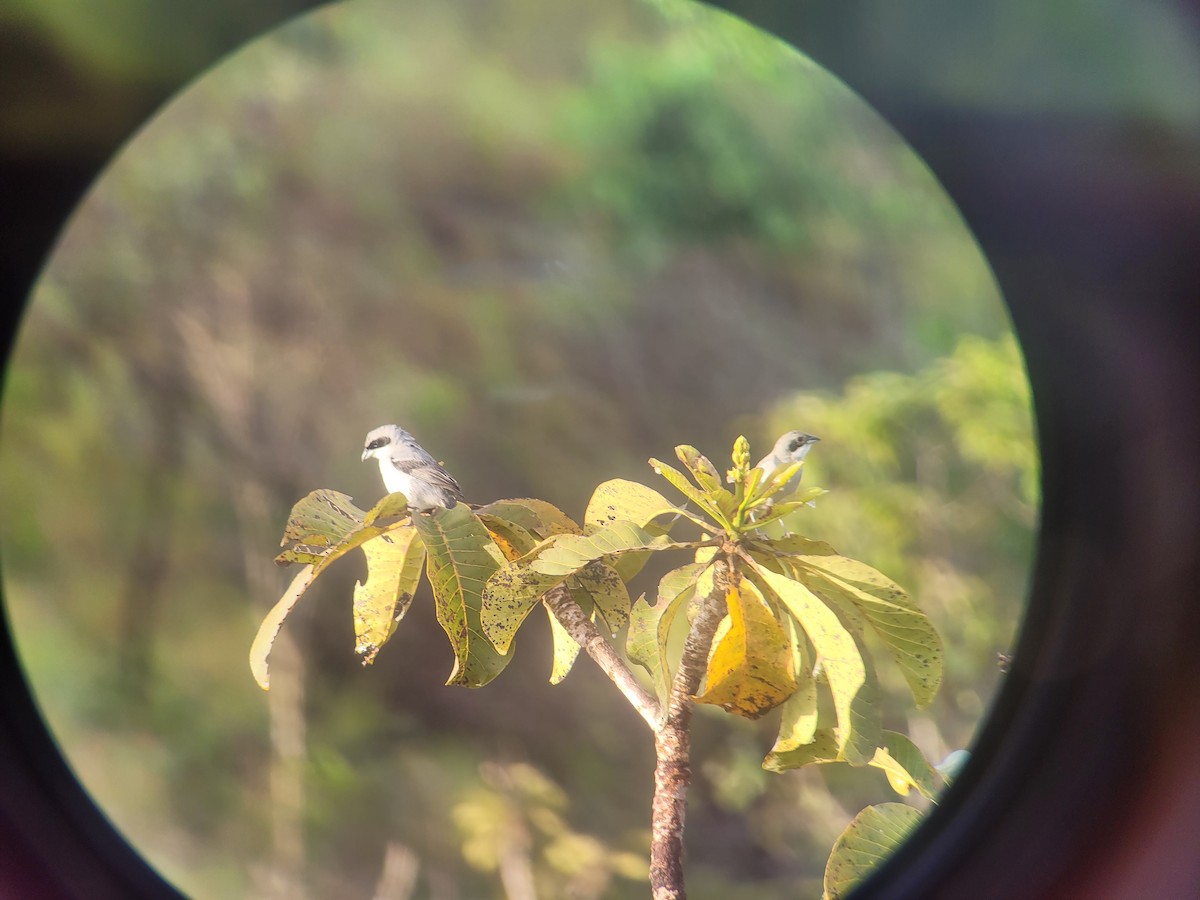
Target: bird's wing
[429,471]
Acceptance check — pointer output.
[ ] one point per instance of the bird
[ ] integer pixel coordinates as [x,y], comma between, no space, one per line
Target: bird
[791,447]
[409,468]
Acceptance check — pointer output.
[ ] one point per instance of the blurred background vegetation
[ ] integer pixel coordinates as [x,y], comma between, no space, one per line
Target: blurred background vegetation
[552,240]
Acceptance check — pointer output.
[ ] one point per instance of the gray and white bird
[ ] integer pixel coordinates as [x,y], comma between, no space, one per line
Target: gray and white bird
[791,447]
[409,468]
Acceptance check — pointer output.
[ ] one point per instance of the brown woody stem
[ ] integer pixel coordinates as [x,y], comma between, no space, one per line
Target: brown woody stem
[588,636]
[671,727]
[672,745]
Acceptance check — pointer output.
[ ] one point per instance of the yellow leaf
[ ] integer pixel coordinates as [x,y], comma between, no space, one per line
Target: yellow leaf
[750,669]
[854,691]
[393,569]
[619,500]
[270,626]
[565,649]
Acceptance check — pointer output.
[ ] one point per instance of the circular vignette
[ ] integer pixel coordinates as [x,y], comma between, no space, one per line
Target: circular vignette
[170,169]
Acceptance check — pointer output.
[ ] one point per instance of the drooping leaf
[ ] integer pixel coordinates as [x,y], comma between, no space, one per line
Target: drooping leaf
[650,625]
[260,648]
[905,766]
[750,669]
[569,552]
[323,527]
[509,595]
[703,499]
[536,516]
[316,523]
[566,648]
[389,514]
[839,656]
[906,632]
[798,724]
[823,748]
[461,558]
[394,563]
[610,598]
[619,500]
[868,840]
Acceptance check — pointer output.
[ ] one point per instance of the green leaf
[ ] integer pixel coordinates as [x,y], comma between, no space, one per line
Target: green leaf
[705,473]
[905,766]
[317,523]
[650,626]
[708,478]
[868,840]
[793,544]
[619,500]
[535,516]
[566,649]
[905,631]
[609,596]
[509,595]
[260,648]
[771,513]
[823,748]
[750,668]
[569,552]
[461,558]
[839,655]
[778,480]
[703,499]
[798,724]
[393,569]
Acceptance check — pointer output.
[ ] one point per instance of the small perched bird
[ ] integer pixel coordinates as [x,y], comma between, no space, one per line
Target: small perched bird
[408,467]
[791,447]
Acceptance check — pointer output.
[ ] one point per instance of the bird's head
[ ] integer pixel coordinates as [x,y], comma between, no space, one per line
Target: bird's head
[795,445]
[382,439]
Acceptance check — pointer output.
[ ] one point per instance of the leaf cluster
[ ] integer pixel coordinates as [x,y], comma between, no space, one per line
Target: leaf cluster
[796,615]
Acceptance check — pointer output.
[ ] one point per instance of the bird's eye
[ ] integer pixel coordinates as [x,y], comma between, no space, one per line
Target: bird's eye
[377,443]
[796,444]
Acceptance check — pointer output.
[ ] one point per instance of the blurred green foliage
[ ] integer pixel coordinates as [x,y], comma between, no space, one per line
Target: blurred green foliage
[937,477]
[552,240]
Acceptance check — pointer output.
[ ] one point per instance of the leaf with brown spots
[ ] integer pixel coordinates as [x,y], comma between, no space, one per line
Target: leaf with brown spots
[461,558]
[394,563]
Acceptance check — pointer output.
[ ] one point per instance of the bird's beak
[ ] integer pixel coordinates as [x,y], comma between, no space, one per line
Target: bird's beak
[366,455]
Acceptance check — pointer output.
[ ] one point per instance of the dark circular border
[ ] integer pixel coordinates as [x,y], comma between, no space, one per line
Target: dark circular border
[1083,781]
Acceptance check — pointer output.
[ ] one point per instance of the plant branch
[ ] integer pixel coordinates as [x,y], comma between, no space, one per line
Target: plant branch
[558,600]
[672,745]
[696,520]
